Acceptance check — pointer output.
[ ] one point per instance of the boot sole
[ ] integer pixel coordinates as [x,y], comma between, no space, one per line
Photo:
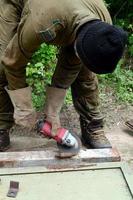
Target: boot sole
[89,146]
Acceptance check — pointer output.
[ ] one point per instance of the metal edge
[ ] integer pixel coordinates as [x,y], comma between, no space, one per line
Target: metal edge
[122,166]
[128,176]
[43,169]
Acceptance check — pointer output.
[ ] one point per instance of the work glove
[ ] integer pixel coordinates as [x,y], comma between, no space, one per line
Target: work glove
[24,113]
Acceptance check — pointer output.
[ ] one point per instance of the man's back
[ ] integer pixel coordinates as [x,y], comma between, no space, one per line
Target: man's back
[70,14]
[69,8]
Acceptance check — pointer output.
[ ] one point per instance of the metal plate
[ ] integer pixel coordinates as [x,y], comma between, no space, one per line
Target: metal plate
[96,182]
[48,158]
[13,189]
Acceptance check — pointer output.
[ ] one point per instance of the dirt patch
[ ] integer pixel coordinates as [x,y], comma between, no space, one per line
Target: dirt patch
[113,113]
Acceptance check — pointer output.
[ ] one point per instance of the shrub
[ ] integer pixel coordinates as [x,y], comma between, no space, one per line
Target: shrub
[120,83]
[39,72]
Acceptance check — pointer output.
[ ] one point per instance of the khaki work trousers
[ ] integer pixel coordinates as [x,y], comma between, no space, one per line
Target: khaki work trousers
[84,84]
[18,42]
[8,25]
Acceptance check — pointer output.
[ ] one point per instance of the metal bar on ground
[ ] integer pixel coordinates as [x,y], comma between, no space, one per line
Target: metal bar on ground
[49,160]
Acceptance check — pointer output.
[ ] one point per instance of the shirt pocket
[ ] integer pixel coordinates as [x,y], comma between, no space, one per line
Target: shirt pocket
[50,33]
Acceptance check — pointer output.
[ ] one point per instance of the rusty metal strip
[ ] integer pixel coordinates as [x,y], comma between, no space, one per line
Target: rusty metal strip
[49,160]
[13,189]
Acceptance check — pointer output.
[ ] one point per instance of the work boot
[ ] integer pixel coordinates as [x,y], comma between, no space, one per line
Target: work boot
[54,101]
[24,113]
[93,134]
[4,140]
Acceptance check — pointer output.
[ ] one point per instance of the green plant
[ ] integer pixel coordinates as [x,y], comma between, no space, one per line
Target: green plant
[122,15]
[126,25]
[39,72]
[130,40]
[120,9]
[120,83]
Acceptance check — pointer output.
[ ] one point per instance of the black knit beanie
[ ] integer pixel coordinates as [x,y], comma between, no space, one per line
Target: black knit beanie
[100,46]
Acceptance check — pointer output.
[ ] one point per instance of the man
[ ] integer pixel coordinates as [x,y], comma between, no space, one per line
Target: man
[88,43]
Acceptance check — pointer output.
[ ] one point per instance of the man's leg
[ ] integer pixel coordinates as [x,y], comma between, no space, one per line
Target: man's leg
[15,58]
[86,101]
[8,24]
[6,113]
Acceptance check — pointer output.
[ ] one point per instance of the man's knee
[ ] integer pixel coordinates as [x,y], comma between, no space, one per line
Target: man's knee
[86,84]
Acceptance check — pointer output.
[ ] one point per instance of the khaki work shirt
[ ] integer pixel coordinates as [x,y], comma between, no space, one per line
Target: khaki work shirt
[49,21]
[57,21]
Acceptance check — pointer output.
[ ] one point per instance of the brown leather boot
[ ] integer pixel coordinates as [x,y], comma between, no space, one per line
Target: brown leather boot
[93,134]
[4,140]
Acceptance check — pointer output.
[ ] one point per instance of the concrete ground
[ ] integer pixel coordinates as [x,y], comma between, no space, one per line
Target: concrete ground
[120,137]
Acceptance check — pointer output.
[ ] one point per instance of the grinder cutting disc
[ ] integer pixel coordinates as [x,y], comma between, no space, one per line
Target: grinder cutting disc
[67,152]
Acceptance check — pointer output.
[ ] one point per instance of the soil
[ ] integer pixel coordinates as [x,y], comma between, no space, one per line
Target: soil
[113,113]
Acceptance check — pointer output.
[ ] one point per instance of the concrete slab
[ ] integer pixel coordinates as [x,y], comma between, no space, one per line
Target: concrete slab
[122,139]
[112,181]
